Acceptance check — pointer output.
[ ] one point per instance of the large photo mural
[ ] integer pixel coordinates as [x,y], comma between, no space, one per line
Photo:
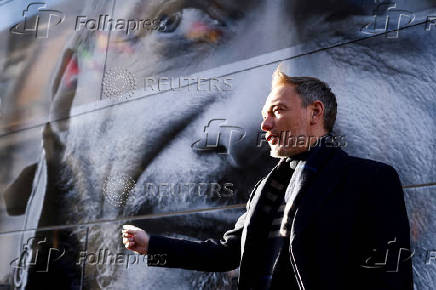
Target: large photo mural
[149,112]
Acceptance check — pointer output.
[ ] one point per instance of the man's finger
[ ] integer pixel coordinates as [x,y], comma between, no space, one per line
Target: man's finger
[128,227]
[128,244]
[129,238]
[131,231]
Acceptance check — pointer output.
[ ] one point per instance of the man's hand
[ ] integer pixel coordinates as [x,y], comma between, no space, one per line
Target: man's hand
[135,239]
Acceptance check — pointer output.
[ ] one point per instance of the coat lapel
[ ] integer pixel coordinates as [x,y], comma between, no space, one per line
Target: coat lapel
[259,219]
[321,174]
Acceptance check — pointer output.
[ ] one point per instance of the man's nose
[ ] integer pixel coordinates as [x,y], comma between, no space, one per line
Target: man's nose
[267,124]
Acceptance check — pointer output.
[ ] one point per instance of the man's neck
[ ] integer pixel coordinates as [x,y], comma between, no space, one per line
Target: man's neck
[304,154]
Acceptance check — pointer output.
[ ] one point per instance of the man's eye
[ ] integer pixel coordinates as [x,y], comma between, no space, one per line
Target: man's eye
[169,23]
[192,24]
[277,111]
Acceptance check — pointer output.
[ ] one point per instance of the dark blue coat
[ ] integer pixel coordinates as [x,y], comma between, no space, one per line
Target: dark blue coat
[350,230]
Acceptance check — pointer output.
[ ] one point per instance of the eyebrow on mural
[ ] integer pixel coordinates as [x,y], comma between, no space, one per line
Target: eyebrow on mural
[216,8]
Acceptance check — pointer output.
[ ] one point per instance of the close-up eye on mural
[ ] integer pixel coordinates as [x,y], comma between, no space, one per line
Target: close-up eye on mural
[218,144]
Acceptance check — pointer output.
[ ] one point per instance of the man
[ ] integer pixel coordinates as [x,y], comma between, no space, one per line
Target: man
[321,219]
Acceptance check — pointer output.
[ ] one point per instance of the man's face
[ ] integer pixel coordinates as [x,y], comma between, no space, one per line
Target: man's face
[284,119]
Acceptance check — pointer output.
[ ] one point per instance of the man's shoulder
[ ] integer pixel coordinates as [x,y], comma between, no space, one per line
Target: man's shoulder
[367,167]
[364,175]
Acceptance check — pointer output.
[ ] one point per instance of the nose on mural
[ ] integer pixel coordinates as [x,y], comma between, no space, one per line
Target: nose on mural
[238,145]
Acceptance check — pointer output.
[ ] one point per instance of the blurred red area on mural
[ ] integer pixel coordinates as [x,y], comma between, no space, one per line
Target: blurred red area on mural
[202,32]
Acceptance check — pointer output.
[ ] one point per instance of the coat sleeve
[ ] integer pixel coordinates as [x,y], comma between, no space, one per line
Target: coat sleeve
[387,242]
[210,255]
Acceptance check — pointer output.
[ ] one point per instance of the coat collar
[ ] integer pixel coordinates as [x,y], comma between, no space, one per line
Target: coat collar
[320,174]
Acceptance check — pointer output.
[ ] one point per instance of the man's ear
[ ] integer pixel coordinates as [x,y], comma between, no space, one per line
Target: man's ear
[317,112]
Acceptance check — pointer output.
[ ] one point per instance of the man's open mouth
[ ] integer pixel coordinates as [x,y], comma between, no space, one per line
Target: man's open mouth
[272,138]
